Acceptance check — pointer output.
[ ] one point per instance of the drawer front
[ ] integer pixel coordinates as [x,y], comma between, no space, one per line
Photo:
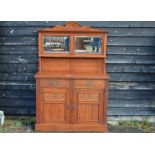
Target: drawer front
[89,83]
[53,83]
[53,95]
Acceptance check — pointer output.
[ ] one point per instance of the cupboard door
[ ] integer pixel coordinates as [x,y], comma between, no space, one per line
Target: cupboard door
[55,102]
[89,105]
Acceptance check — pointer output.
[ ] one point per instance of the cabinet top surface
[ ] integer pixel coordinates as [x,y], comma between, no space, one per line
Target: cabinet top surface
[72,76]
[72,27]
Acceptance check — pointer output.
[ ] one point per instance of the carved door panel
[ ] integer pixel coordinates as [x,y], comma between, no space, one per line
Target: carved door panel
[55,102]
[89,105]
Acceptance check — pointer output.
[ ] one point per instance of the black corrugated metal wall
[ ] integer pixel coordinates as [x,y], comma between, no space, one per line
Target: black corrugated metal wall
[130,63]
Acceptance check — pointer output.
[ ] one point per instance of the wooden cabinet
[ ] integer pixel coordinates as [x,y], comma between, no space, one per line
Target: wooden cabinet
[71,83]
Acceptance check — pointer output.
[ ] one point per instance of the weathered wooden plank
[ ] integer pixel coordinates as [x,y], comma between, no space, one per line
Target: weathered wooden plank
[131,111]
[17,102]
[112,41]
[112,103]
[131,32]
[115,31]
[13,50]
[17,94]
[127,59]
[111,59]
[17,77]
[29,41]
[130,103]
[17,85]
[31,23]
[113,94]
[111,68]
[132,86]
[134,59]
[111,111]
[132,77]
[113,77]
[130,68]
[131,41]
[125,50]
[19,31]
[18,68]
[22,59]
[132,94]
[90,23]
[112,86]
[115,50]
[18,110]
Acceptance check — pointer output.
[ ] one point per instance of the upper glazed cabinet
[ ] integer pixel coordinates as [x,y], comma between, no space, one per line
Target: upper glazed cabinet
[72,40]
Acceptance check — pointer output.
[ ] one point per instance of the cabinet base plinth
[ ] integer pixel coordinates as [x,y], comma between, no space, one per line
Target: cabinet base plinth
[70,128]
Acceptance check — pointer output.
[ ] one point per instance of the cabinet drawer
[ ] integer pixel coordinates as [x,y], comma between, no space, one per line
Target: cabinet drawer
[54,83]
[89,83]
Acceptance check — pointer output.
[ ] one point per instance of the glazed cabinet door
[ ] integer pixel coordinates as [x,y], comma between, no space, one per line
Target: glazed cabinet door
[55,99]
[89,101]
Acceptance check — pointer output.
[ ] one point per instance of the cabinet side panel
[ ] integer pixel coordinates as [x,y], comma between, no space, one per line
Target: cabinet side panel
[39,103]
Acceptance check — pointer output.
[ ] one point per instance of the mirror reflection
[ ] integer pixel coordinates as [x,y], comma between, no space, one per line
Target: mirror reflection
[88,44]
[56,43]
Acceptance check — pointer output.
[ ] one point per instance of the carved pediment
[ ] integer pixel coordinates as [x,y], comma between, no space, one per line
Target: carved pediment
[71,26]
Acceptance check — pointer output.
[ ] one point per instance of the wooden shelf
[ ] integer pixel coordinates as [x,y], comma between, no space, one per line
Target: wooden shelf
[72,56]
[72,76]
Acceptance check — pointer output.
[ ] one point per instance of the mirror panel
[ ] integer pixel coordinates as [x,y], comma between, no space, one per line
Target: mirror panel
[88,44]
[56,44]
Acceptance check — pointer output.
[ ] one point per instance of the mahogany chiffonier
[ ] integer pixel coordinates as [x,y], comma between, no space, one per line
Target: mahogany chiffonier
[71,82]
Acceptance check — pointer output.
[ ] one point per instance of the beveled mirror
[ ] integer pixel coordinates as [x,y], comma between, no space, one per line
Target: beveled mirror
[56,44]
[88,44]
